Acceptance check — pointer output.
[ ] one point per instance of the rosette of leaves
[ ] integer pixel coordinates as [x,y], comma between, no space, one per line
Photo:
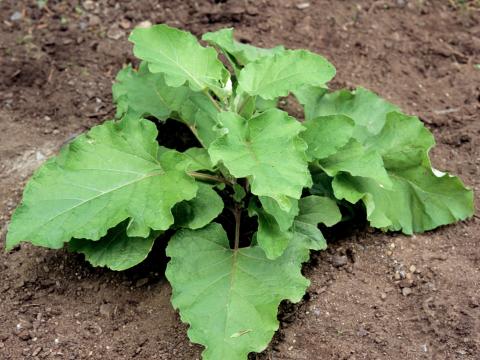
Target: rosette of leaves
[114,190]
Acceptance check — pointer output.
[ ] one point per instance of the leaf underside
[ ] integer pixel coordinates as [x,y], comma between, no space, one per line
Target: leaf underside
[115,250]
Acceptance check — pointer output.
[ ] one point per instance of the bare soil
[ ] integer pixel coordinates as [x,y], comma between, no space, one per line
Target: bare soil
[390,297]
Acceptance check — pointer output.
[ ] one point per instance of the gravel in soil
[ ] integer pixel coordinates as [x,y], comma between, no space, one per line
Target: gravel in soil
[373,295]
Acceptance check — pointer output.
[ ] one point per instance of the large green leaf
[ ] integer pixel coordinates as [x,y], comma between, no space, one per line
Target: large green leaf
[178,55]
[419,199]
[278,75]
[145,94]
[230,297]
[100,179]
[267,150]
[241,53]
[366,108]
[357,160]
[325,135]
[200,211]
[115,250]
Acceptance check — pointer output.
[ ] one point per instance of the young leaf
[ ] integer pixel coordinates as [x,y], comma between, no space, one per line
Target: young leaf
[367,109]
[419,200]
[241,53]
[115,250]
[270,237]
[278,75]
[178,55]
[230,297]
[200,211]
[268,151]
[100,179]
[146,94]
[325,135]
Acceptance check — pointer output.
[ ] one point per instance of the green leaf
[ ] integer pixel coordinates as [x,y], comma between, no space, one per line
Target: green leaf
[241,53]
[318,209]
[115,250]
[199,113]
[178,55]
[268,151]
[230,297]
[357,160]
[368,110]
[142,93]
[283,218]
[100,179]
[313,211]
[200,211]
[238,193]
[278,75]
[270,237]
[146,94]
[325,135]
[193,159]
[419,199]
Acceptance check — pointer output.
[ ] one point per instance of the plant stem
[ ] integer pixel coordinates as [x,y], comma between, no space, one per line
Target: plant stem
[202,176]
[214,102]
[237,213]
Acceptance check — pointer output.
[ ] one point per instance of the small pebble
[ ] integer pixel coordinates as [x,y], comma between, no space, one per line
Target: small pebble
[16,16]
[89,5]
[303,5]
[406,291]
[412,268]
[141,282]
[145,24]
[383,296]
[339,261]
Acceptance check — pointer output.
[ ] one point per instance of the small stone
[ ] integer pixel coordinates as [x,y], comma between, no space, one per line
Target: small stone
[55,132]
[94,20]
[89,5]
[406,291]
[383,296]
[362,332]
[16,16]
[39,156]
[144,24]
[106,310]
[339,261]
[141,282]
[24,335]
[115,33]
[37,351]
[412,268]
[125,24]
[389,253]
[405,283]
[302,6]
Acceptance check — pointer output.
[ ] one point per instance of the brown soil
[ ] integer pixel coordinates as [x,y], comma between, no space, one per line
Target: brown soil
[56,69]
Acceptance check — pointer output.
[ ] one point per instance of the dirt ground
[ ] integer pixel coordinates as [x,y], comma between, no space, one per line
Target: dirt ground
[373,295]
